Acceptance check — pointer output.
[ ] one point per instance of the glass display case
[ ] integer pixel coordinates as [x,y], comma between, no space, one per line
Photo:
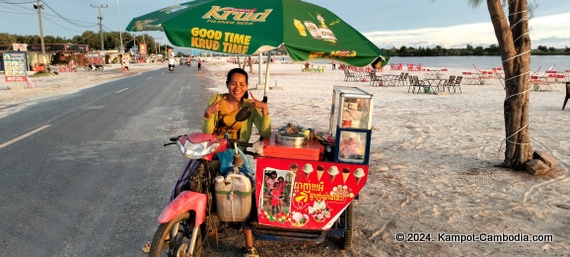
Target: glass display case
[351,124]
[352,145]
[351,108]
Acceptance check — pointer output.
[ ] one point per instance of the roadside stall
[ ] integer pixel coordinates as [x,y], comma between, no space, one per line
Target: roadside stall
[306,184]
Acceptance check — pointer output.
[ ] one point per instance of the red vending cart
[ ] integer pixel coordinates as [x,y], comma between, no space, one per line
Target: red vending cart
[303,196]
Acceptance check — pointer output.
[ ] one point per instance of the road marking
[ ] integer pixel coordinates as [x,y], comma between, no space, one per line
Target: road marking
[120,91]
[149,77]
[24,136]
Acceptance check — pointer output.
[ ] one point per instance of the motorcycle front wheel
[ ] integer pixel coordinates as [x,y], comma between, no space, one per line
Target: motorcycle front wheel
[173,238]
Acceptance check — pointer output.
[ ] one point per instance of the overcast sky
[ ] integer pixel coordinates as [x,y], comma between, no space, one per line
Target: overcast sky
[388,23]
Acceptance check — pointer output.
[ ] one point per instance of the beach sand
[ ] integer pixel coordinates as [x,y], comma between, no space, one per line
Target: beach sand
[433,163]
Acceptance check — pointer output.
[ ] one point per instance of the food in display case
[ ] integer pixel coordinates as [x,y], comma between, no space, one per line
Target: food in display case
[351,109]
[351,116]
[352,146]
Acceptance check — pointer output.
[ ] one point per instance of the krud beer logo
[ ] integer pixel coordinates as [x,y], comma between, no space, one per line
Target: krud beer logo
[238,14]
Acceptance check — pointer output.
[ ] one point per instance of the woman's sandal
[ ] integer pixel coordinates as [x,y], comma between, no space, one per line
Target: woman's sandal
[250,252]
[146,247]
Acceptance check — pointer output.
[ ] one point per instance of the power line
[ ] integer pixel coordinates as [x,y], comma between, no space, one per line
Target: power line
[17,12]
[66,28]
[20,9]
[16,5]
[65,19]
[31,2]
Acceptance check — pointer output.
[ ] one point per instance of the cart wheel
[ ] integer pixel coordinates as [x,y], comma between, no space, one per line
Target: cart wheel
[346,241]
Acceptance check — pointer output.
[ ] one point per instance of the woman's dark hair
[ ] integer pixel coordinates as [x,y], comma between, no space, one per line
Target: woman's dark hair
[240,71]
[236,70]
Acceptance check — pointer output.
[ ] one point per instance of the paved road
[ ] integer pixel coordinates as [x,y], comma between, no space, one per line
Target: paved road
[86,174]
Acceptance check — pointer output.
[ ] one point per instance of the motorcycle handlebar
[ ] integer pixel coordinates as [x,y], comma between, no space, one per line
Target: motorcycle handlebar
[244,144]
[229,145]
[230,142]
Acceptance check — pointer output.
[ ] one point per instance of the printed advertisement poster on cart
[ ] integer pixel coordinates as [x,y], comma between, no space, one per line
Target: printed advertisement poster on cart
[305,194]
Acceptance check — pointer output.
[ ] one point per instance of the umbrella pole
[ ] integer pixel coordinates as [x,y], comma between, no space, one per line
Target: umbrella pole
[259,84]
[266,76]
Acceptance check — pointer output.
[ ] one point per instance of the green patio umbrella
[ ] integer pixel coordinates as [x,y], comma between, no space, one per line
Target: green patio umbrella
[305,30]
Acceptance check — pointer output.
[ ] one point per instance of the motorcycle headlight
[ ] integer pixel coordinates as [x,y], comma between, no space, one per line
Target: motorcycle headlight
[198,150]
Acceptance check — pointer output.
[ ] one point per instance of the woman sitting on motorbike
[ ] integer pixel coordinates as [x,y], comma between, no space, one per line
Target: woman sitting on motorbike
[220,117]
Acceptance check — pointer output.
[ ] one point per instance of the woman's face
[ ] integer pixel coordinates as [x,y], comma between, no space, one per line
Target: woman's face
[237,86]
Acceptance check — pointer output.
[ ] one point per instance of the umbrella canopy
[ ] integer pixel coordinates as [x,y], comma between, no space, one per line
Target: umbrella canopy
[305,30]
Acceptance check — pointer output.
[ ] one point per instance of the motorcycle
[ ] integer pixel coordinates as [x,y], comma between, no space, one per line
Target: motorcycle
[91,66]
[171,67]
[190,216]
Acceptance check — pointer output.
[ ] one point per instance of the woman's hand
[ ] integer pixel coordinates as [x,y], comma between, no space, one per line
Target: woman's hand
[213,108]
[259,104]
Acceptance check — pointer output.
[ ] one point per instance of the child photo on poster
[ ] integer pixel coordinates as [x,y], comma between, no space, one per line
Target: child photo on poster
[275,194]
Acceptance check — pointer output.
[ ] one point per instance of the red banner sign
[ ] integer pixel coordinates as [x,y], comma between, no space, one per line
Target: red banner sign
[305,194]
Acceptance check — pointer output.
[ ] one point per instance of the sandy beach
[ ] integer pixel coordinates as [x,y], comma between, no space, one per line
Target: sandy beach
[433,163]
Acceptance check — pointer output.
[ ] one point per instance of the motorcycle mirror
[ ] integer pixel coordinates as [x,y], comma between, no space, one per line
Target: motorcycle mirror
[244,113]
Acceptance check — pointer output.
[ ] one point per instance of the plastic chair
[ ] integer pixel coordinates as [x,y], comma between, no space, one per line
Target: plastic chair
[418,84]
[457,84]
[402,80]
[448,83]
[349,75]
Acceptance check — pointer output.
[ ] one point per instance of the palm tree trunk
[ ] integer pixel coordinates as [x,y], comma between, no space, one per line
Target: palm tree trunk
[514,43]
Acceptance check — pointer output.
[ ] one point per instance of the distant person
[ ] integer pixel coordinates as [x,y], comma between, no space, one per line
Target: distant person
[333,65]
[171,63]
[199,63]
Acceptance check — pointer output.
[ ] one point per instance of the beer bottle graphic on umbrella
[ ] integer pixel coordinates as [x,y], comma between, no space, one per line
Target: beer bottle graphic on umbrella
[320,32]
[326,34]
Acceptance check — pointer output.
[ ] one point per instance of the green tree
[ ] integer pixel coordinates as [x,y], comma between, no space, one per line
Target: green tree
[493,49]
[7,39]
[438,51]
[403,51]
[469,50]
[479,50]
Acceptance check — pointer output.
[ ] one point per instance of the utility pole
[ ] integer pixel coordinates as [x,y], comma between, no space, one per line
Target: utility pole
[40,7]
[156,48]
[100,25]
[120,32]
[135,45]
